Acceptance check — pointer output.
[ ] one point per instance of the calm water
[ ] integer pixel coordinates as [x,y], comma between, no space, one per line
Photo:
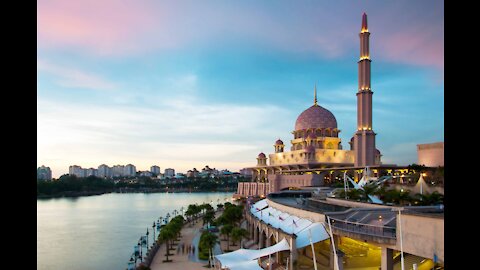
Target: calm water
[99,232]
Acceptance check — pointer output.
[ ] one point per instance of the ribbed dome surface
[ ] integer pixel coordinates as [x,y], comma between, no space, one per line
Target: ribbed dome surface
[315,117]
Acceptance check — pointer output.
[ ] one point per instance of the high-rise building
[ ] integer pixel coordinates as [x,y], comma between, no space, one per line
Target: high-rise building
[155,170]
[44,173]
[78,171]
[169,173]
[130,170]
[104,171]
[91,172]
[118,170]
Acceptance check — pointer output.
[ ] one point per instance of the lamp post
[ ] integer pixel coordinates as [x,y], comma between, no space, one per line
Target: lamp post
[399,209]
[147,237]
[153,229]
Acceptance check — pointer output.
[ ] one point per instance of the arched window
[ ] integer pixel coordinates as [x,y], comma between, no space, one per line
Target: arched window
[330,145]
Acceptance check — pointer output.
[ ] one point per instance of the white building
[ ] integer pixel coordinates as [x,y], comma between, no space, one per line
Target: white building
[155,170]
[91,172]
[169,173]
[44,173]
[104,171]
[130,170]
[118,170]
[146,173]
[77,171]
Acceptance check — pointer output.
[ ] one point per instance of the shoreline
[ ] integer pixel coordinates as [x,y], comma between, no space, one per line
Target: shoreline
[94,193]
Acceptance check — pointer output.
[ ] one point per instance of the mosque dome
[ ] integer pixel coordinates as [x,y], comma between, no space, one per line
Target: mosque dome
[279,142]
[262,155]
[315,117]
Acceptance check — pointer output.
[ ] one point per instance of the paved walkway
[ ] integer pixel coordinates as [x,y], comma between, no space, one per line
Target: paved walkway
[190,236]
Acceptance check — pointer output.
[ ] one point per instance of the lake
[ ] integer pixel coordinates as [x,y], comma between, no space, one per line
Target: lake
[99,232]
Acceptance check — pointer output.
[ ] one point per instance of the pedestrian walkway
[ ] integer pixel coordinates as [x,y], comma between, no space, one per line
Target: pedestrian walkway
[186,260]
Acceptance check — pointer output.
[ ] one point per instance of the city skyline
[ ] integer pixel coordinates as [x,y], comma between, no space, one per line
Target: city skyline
[182,85]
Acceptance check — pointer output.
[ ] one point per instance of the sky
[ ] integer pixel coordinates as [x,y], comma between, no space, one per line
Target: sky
[184,84]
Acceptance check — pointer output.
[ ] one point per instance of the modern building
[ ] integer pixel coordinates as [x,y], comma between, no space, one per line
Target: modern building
[431,154]
[130,170]
[78,171]
[91,172]
[316,149]
[44,173]
[169,173]
[118,171]
[146,173]
[104,171]
[155,170]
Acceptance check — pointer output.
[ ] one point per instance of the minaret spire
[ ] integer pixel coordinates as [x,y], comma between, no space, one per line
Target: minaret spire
[315,95]
[364,23]
[364,140]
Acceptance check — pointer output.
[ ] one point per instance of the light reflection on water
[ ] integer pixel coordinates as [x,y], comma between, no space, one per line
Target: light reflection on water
[99,232]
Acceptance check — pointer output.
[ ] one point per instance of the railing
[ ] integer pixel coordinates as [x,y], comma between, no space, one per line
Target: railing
[366,229]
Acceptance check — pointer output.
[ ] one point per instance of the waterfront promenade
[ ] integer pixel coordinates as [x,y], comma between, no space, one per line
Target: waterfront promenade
[190,236]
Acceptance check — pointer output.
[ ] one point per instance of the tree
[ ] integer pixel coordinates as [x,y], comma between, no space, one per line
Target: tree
[238,234]
[167,234]
[208,217]
[226,230]
[207,242]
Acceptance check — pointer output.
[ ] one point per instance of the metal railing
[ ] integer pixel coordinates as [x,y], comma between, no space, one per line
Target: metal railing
[366,229]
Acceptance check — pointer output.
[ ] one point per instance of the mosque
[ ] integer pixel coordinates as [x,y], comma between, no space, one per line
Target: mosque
[316,154]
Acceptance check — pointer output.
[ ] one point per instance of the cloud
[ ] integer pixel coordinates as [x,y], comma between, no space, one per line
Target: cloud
[90,135]
[74,78]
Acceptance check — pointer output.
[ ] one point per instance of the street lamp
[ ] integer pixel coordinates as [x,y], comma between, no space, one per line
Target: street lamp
[147,237]
[399,209]
[153,229]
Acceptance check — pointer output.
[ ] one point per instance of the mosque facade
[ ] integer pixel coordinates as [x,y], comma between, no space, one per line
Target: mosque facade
[316,149]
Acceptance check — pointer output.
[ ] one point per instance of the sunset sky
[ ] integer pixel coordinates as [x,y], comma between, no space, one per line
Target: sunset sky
[185,84]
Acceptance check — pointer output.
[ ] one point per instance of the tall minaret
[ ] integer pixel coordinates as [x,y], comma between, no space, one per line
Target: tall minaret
[364,142]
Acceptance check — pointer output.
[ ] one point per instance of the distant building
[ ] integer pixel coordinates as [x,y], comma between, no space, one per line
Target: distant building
[118,170]
[44,173]
[130,170]
[78,171]
[431,154]
[246,173]
[193,173]
[146,173]
[91,172]
[169,173]
[155,170]
[104,171]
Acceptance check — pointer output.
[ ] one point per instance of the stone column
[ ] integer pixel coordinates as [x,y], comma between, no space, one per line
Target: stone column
[387,259]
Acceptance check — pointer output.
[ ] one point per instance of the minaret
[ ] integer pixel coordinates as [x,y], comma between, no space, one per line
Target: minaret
[364,142]
[315,96]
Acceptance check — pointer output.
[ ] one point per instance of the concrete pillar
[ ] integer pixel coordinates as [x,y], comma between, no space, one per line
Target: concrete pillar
[293,253]
[339,258]
[255,234]
[387,259]
[260,242]
[269,242]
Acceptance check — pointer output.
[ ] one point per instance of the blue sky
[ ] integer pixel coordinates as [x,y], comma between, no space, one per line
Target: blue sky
[184,84]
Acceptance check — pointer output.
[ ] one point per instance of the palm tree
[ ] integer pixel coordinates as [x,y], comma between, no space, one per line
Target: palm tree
[209,241]
[208,217]
[166,234]
[226,230]
[238,234]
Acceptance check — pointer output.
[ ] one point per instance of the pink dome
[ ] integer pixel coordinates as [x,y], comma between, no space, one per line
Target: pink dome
[315,117]
[261,155]
[377,151]
[279,142]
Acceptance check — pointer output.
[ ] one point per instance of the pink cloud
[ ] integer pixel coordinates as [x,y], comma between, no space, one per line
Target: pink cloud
[107,26]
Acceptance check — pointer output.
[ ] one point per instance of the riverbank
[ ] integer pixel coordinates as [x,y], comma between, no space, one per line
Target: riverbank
[70,194]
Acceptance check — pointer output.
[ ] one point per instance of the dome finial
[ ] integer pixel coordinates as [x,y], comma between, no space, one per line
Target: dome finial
[315,95]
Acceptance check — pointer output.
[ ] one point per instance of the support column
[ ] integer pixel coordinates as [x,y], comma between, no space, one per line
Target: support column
[260,242]
[255,234]
[387,258]
[340,254]
[293,253]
